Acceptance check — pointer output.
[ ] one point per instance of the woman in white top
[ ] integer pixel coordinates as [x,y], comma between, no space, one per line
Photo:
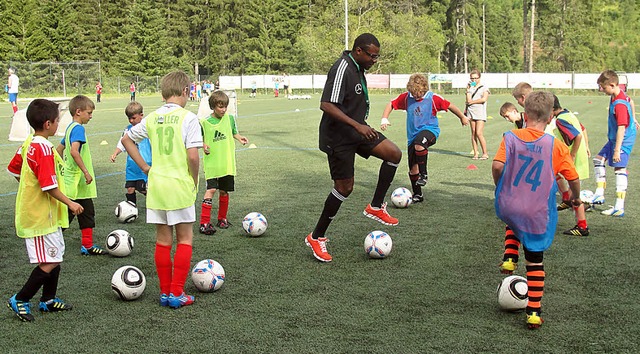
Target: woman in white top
[476,103]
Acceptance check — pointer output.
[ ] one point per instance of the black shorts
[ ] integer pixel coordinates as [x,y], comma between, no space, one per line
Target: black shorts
[86,219]
[225,183]
[425,138]
[342,157]
[139,185]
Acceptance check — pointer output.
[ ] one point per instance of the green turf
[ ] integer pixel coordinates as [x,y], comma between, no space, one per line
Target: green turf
[435,293]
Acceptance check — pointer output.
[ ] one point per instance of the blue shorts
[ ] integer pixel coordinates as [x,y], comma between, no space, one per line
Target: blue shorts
[13,97]
[607,153]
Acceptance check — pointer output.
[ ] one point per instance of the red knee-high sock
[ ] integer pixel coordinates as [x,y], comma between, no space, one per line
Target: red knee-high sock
[15,109]
[535,282]
[181,266]
[87,237]
[511,245]
[164,267]
[223,206]
[205,215]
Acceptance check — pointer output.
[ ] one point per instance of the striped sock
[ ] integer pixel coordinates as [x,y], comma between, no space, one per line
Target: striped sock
[511,245]
[535,282]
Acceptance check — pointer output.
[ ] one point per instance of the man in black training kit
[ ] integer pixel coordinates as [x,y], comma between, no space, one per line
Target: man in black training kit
[345,133]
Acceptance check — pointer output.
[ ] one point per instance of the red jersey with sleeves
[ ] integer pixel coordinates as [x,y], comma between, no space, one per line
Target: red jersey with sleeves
[41,162]
[622,115]
[439,103]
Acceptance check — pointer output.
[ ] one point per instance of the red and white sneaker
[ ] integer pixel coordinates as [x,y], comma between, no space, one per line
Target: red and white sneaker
[380,214]
[319,248]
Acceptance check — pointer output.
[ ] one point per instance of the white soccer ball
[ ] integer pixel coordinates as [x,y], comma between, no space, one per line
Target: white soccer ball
[586,196]
[126,212]
[378,244]
[512,293]
[401,197]
[128,283]
[208,275]
[255,224]
[119,243]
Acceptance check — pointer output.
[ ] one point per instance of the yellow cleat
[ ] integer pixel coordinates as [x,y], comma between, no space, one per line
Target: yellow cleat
[508,266]
[534,321]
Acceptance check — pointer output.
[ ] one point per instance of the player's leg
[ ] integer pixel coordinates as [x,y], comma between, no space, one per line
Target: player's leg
[621,188]
[182,258]
[206,227]
[226,185]
[414,175]
[131,191]
[49,301]
[474,144]
[390,155]
[510,257]
[535,283]
[87,222]
[162,255]
[481,140]
[421,143]
[600,173]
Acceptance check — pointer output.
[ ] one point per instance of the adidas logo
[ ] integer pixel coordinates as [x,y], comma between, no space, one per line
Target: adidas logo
[217,136]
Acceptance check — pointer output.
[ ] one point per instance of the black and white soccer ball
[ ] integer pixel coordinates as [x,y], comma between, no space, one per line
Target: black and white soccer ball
[512,293]
[126,212]
[128,283]
[119,243]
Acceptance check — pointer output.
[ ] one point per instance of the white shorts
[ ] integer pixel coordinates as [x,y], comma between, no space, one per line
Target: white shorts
[46,249]
[171,217]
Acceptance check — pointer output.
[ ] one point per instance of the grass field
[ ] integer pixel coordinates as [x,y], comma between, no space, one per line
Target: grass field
[435,293]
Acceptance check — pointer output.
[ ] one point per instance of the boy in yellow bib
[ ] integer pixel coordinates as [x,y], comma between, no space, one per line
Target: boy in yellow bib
[41,210]
[219,130]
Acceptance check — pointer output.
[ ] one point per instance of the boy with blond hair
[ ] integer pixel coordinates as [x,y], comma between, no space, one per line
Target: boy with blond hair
[78,171]
[41,210]
[521,91]
[219,131]
[175,137]
[136,180]
[423,129]
[621,138]
[524,171]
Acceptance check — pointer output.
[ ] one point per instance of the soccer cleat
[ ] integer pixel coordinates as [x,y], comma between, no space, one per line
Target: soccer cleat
[577,231]
[417,198]
[566,204]
[613,212]
[176,302]
[164,300]
[319,248]
[92,251]
[508,266]
[534,321]
[21,308]
[422,180]
[207,229]
[54,305]
[223,224]
[597,199]
[380,215]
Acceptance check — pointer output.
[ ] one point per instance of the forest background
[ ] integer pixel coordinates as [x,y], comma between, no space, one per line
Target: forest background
[236,37]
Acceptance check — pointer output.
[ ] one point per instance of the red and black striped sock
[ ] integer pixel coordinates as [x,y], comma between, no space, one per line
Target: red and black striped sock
[535,282]
[511,245]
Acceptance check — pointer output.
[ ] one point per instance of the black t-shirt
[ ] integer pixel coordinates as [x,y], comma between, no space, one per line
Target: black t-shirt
[346,88]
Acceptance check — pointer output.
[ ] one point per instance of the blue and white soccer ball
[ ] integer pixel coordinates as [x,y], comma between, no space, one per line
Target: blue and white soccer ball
[128,283]
[586,196]
[512,293]
[378,244]
[126,212]
[208,275]
[401,197]
[119,243]
[255,224]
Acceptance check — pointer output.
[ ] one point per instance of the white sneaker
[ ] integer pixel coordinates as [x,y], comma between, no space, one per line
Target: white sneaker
[613,212]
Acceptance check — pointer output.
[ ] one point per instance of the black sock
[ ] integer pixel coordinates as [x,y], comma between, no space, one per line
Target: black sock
[421,160]
[50,286]
[331,206]
[37,278]
[385,177]
[131,197]
[417,190]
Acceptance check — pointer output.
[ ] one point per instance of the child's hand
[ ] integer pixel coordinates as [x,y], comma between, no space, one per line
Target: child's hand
[243,140]
[88,177]
[384,123]
[75,208]
[616,155]
[113,157]
[464,121]
[205,148]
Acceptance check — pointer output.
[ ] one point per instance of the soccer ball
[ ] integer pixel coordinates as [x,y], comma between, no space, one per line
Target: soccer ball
[512,293]
[401,197]
[128,283]
[586,196]
[126,212]
[377,244]
[255,224]
[119,243]
[208,275]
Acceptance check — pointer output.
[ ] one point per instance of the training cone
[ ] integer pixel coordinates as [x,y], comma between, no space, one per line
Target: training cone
[252,146]
[472,167]
[104,142]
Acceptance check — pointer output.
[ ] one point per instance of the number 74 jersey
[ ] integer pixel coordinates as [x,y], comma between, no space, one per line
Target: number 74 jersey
[525,194]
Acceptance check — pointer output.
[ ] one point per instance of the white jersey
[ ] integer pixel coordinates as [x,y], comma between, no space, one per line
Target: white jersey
[13,83]
[191,131]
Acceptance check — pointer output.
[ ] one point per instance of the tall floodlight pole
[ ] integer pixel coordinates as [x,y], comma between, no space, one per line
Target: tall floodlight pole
[346,24]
